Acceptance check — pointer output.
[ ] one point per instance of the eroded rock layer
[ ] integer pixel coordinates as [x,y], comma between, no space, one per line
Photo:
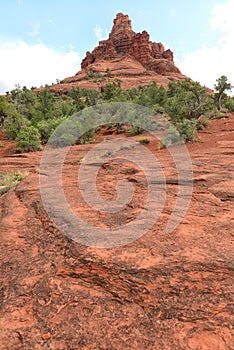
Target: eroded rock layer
[163,291]
[125,55]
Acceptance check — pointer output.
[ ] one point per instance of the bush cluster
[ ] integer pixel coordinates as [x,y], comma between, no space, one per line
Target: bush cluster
[31,118]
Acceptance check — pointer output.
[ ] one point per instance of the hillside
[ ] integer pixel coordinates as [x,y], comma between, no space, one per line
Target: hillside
[163,291]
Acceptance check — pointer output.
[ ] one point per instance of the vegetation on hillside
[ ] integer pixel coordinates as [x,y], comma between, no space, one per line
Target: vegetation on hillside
[10,179]
[31,118]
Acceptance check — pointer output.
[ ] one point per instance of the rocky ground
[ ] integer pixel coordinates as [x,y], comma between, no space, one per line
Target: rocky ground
[163,291]
[127,69]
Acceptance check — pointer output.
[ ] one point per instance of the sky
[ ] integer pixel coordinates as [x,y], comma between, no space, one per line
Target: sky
[45,40]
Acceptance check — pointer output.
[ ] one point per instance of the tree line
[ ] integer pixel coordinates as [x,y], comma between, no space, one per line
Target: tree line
[31,118]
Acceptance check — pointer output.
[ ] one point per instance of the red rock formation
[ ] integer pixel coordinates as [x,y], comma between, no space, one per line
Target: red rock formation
[129,56]
[123,40]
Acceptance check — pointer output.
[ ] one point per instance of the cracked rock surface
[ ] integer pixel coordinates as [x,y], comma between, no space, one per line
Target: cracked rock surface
[163,291]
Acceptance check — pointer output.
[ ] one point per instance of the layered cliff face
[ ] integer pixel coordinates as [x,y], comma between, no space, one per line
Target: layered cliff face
[125,55]
[123,40]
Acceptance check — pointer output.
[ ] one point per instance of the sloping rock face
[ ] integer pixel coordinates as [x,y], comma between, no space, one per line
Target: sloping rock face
[125,55]
[164,291]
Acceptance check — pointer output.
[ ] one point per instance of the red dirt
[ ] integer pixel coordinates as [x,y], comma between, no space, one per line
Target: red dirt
[164,291]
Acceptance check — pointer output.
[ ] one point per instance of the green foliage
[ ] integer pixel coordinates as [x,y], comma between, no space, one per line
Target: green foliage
[46,104]
[144,140]
[126,147]
[221,86]
[4,109]
[187,103]
[160,146]
[135,130]
[24,100]
[187,99]
[215,114]
[66,139]
[203,122]
[74,130]
[79,160]
[228,103]
[64,135]
[87,137]
[91,75]
[152,96]
[90,97]
[64,107]
[14,122]
[77,97]
[28,139]
[10,179]
[47,127]
[186,128]
[183,130]
[28,103]
[172,137]
[108,72]
[113,92]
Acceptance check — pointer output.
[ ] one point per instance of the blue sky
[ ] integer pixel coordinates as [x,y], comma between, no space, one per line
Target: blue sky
[45,40]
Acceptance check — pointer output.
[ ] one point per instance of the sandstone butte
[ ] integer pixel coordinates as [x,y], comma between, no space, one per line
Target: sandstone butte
[128,56]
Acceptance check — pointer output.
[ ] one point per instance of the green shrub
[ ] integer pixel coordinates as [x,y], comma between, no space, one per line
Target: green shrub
[172,137]
[79,160]
[160,146]
[183,130]
[87,137]
[229,104]
[28,140]
[1,144]
[144,140]
[47,127]
[108,72]
[10,179]
[187,99]
[222,85]
[186,128]
[13,124]
[135,130]
[217,115]
[63,140]
[126,147]
[203,122]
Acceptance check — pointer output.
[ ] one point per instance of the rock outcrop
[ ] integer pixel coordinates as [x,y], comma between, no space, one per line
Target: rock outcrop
[123,40]
[164,291]
[125,55]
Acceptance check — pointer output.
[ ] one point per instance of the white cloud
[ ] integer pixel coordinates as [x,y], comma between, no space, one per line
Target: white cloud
[35,29]
[100,33]
[34,65]
[222,17]
[209,63]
